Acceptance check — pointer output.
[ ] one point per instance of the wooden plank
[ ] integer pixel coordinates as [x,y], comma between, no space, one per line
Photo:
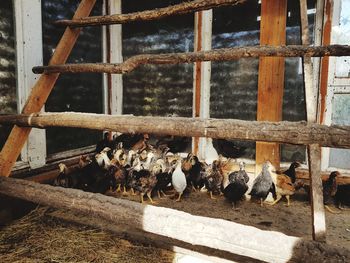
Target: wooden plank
[179,9]
[207,232]
[41,91]
[202,74]
[314,151]
[271,75]
[327,28]
[223,54]
[282,132]
[317,207]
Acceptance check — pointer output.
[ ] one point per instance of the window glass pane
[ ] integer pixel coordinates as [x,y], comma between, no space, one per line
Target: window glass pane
[157,90]
[234,84]
[340,158]
[8,99]
[72,92]
[343,33]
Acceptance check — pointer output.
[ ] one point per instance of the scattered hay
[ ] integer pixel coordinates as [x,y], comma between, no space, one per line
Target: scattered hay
[37,237]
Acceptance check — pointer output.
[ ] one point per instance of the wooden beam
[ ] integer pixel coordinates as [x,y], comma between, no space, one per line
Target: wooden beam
[271,75]
[282,132]
[224,54]
[326,38]
[41,91]
[158,13]
[212,233]
[317,207]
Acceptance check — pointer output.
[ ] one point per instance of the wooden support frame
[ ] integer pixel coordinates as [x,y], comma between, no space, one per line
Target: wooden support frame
[40,92]
[224,54]
[282,132]
[201,76]
[271,75]
[179,9]
[209,233]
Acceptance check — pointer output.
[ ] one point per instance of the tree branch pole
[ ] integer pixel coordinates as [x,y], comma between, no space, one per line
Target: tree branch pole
[158,13]
[180,226]
[224,54]
[282,132]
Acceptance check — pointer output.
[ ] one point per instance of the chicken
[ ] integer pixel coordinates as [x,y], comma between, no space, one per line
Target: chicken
[62,179]
[131,141]
[213,179]
[291,171]
[342,196]
[103,158]
[192,168]
[210,153]
[173,143]
[119,173]
[178,179]
[228,148]
[105,142]
[284,187]
[263,184]
[235,185]
[147,182]
[163,178]
[329,191]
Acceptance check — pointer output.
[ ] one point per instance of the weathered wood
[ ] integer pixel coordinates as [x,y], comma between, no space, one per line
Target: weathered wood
[158,13]
[282,132]
[197,230]
[310,92]
[224,54]
[271,75]
[317,207]
[41,92]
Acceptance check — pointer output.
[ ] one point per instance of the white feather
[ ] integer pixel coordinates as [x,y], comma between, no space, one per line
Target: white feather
[178,179]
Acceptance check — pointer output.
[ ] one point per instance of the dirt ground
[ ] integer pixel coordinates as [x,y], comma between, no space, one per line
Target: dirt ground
[294,220]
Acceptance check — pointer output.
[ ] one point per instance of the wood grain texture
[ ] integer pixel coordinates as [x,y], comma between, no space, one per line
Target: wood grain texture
[224,54]
[317,207]
[271,74]
[158,13]
[283,132]
[41,92]
[196,230]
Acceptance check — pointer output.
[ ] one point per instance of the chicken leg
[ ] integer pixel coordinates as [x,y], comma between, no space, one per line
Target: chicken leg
[150,198]
[179,198]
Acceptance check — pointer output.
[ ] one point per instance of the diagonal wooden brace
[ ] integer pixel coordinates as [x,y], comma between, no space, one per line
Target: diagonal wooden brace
[41,91]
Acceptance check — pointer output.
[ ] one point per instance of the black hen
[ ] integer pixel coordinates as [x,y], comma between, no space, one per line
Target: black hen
[193,169]
[237,186]
[105,142]
[174,144]
[263,184]
[330,188]
[342,196]
[291,171]
[228,148]
[128,140]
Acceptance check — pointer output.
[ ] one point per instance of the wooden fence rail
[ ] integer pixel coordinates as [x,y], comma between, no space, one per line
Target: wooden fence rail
[179,226]
[282,132]
[224,54]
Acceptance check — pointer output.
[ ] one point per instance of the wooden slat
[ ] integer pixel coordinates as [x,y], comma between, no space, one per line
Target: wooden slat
[282,132]
[41,91]
[271,74]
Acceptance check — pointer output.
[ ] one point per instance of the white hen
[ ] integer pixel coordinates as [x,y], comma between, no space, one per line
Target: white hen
[210,153]
[178,179]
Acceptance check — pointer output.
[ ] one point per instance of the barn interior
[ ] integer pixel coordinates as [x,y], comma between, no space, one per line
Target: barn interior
[142,131]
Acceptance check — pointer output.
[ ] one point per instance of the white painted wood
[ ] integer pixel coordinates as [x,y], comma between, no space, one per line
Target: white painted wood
[29,54]
[335,85]
[206,33]
[116,57]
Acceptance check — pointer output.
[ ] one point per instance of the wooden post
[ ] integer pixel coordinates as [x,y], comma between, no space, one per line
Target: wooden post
[314,150]
[201,76]
[271,75]
[317,207]
[41,91]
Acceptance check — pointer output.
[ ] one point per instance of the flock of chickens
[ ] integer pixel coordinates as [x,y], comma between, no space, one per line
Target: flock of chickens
[131,163]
